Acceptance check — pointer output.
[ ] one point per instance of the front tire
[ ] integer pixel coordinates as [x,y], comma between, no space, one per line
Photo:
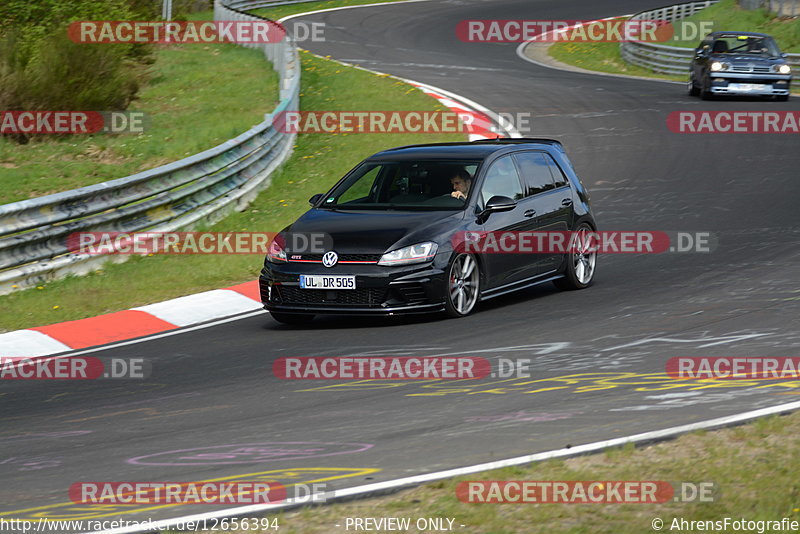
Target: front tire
[782,98]
[292,318]
[581,260]
[463,285]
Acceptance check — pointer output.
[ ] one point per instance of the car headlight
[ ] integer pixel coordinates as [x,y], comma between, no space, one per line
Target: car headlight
[717,66]
[419,253]
[275,253]
[783,69]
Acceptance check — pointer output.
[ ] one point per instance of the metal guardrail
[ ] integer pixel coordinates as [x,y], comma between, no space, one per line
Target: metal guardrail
[247,5]
[200,189]
[783,8]
[669,59]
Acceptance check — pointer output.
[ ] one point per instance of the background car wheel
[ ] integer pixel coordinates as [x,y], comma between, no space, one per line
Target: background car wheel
[581,262]
[705,91]
[463,285]
[782,98]
[292,318]
[692,89]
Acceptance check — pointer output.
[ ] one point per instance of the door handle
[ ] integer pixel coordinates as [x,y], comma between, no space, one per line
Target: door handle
[530,213]
[566,202]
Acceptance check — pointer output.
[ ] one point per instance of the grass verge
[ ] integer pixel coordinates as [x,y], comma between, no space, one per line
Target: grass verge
[197,97]
[729,15]
[602,57]
[279,12]
[317,162]
[753,467]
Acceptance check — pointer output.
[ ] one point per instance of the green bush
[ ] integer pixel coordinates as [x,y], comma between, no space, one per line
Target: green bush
[42,69]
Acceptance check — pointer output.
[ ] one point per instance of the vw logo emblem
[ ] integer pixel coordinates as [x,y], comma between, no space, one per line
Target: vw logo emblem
[330,258]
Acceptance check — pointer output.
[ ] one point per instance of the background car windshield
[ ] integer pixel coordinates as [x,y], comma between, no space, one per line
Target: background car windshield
[743,44]
[401,185]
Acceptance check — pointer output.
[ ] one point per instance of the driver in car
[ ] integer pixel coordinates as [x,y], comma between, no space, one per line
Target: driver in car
[461,181]
[755,46]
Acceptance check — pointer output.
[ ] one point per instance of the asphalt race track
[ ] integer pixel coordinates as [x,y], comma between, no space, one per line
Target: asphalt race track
[213,408]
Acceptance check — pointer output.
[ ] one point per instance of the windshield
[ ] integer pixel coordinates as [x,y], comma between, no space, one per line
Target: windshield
[415,185]
[745,44]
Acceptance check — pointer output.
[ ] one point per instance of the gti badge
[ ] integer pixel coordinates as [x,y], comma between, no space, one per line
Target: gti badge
[330,258]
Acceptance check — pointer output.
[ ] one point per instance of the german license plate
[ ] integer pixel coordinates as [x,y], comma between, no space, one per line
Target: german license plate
[748,86]
[318,281]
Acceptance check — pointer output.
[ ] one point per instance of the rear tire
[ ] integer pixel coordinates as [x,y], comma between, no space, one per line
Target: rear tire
[581,260]
[463,285]
[782,98]
[692,89]
[292,318]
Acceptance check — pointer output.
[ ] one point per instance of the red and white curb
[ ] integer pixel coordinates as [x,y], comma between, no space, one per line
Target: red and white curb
[478,122]
[129,324]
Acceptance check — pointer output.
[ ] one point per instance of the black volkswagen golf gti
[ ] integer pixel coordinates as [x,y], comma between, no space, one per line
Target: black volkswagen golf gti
[392,232]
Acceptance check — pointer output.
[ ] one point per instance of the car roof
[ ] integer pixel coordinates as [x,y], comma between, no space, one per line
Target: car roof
[462,150]
[749,34]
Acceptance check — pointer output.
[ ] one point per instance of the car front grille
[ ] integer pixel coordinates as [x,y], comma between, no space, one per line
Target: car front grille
[748,68]
[351,297]
[371,258]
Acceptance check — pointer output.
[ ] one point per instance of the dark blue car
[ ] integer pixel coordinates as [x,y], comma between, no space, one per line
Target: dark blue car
[739,63]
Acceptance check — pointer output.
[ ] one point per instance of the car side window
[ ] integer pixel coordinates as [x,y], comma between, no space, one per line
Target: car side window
[365,189]
[535,172]
[501,179]
[559,177]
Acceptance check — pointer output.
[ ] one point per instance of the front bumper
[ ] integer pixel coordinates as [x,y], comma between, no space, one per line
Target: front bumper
[731,83]
[379,290]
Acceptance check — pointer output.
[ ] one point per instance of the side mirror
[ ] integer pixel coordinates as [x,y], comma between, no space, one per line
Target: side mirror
[784,55]
[496,204]
[316,198]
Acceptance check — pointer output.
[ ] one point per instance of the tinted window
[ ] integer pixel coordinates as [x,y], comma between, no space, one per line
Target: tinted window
[558,175]
[422,184]
[535,172]
[745,44]
[363,189]
[501,179]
